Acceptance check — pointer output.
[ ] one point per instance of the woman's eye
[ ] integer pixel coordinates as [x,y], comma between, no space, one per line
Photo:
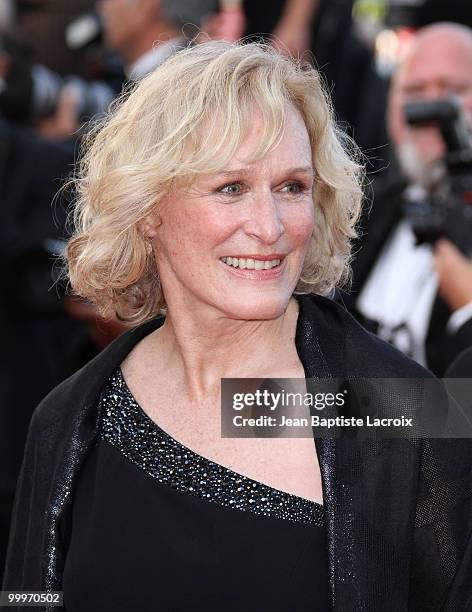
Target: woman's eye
[232,189]
[294,188]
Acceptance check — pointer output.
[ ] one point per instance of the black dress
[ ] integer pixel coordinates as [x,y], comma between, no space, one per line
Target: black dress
[157,527]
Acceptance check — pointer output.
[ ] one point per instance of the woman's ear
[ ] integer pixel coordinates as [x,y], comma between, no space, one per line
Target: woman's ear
[148,226]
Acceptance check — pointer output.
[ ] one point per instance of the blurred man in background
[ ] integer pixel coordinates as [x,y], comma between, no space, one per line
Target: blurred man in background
[146,32]
[416,296]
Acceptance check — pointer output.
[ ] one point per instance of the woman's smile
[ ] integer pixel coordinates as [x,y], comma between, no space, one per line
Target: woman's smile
[257,268]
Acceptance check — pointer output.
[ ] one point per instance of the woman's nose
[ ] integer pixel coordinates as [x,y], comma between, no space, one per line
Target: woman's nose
[264,222]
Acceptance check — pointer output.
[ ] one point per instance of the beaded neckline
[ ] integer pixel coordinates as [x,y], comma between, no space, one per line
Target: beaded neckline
[127,427]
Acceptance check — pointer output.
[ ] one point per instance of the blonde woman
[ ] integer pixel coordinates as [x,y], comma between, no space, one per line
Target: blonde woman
[218,192]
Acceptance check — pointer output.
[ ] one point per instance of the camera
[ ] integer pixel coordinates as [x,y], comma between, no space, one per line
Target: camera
[447,212]
[92,97]
[31,91]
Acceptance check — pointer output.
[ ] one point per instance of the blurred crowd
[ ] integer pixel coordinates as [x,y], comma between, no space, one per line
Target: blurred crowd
[62,63]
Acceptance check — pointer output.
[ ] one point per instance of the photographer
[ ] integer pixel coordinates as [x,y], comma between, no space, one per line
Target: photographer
[413,292]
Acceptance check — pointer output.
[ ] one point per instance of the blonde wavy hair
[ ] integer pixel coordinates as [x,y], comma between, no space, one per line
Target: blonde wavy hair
[185,118]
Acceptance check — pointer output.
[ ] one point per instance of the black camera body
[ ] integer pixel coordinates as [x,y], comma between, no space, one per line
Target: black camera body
[447,213]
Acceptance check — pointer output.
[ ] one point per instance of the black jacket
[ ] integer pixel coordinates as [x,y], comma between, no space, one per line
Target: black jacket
[376,227]
[398,512]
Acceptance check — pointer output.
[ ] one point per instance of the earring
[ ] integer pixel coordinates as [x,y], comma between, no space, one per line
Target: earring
[148,246]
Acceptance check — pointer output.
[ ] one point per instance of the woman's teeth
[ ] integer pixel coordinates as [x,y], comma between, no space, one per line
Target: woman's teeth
[250,264]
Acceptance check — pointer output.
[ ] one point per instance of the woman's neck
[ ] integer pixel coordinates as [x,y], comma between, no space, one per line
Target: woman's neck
[201,353]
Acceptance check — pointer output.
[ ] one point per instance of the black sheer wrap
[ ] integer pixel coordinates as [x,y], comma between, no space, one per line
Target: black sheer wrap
[398,512]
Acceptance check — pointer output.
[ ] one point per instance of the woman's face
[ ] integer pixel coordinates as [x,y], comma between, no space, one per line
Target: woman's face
[235,241]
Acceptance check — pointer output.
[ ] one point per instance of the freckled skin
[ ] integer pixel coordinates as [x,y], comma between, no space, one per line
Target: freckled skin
[272,212]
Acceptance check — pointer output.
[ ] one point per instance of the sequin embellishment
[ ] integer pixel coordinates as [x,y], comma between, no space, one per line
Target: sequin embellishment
[128,428]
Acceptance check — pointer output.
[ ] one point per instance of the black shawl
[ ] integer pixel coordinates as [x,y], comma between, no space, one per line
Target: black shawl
[398,512]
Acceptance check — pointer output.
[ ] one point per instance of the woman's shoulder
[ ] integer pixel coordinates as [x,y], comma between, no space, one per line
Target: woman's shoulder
[349,346]
[80,391]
